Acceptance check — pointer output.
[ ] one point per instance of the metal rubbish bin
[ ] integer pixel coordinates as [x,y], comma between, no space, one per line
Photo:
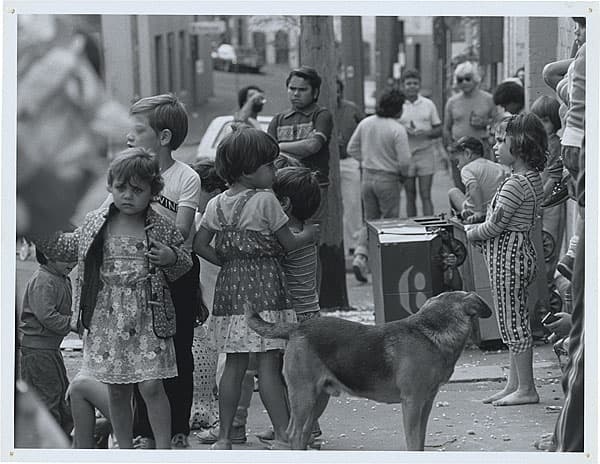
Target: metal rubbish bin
[476,279]
[404,260]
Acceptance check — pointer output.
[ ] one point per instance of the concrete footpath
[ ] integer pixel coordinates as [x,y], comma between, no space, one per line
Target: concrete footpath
[459,420]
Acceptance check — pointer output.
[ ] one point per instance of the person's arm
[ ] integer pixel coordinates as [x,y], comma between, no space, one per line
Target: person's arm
[303,148]
[321,134]
[555,71]
[575,117]
[290,241]
[60,246]
[447,126]
[402,148]
[43,301]
[184,220]
[203,247]
[353,147]
[245,111]
[188,202]
[510,198]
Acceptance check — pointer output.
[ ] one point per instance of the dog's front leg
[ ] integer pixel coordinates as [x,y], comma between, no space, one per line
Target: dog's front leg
[412,415]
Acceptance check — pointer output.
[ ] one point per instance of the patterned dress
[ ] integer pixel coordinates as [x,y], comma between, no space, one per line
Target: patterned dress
[120,346]
[250,272]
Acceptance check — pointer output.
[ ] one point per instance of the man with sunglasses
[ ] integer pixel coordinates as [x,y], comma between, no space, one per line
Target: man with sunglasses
[467,113]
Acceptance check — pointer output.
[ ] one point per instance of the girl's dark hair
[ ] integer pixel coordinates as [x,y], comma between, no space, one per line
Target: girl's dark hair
[390,104]
[209,179]
[301,186]
[40,257]
[510,92]
[411,74]
[136,164]
[286,161]
[546,106]
[529,140]
[579,20]
[243,152]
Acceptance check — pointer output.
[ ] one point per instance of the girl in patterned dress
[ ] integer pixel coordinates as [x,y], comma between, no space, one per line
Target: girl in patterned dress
[521,144]
[123,251]
[251,236]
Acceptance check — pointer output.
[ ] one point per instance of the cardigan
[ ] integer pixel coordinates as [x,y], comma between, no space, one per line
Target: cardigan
[85,244]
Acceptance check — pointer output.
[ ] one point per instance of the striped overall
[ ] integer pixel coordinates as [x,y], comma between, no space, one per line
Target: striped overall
[511,261]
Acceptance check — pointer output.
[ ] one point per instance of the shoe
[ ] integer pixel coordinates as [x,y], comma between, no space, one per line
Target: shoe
[565,266]
[140,442]
[210,436]
[180,441]
[360,267]
[559,194]
[268,434]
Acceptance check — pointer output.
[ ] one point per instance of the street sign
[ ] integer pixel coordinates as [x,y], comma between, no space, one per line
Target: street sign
[207,27]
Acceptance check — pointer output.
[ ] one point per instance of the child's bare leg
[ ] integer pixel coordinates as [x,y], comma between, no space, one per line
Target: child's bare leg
[511,385]
[229,395]
[86,394]
[121,413]
[159,411]
[273,392]
[526,392]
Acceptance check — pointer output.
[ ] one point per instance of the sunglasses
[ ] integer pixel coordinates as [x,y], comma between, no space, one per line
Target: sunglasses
[463,79]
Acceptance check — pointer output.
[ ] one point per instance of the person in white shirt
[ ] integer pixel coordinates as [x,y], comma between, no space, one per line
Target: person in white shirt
[423,124]
[380,142]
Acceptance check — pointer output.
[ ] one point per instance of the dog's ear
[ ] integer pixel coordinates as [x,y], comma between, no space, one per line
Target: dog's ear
[477,306]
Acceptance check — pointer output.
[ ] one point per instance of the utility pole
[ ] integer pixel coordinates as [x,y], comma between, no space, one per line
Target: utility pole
[317,49]
[352,60]
[388,38]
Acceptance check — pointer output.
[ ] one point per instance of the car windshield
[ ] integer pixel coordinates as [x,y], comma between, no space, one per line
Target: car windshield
[226,129]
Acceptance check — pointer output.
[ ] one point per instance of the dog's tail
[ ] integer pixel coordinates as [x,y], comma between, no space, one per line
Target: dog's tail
[267,329]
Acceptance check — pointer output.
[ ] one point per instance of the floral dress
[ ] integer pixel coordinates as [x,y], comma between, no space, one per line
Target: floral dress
[251,272]
[120,346]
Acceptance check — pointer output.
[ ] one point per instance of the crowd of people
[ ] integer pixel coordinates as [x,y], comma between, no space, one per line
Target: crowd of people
[255,212]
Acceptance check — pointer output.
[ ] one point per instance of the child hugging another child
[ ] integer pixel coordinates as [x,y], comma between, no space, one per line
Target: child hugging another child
[126,254]
[45,320]
[251,234]
[521,144]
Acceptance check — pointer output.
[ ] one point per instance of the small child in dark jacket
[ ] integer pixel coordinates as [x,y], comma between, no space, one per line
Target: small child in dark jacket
[45,320]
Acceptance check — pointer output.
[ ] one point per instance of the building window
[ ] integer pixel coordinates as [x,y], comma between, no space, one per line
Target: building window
[171,59]
[158,62]
[182,60]
[418,56]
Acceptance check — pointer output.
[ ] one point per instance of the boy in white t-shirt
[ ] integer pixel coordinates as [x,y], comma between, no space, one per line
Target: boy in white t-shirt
[160,125]
[480,176]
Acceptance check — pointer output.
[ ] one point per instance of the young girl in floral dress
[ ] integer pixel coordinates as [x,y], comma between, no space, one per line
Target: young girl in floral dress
[126,253]
[251,235]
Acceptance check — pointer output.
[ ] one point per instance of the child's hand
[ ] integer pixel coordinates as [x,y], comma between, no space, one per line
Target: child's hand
[160,254]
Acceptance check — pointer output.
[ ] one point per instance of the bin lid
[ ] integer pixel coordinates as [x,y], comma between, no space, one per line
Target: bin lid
[394,236]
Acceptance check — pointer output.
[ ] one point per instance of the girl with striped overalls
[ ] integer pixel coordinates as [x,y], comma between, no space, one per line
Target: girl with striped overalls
[521,144]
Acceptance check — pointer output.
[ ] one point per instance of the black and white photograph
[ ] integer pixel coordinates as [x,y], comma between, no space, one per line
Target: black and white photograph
[340,232]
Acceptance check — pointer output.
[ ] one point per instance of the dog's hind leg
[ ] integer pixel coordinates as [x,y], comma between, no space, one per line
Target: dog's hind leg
[302,403]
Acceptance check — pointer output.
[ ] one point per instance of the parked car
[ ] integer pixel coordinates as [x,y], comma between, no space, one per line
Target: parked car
[217,129]
[229,58]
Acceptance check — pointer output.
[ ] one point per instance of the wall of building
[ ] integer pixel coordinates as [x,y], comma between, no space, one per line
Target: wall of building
[418,36]
[147,55]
